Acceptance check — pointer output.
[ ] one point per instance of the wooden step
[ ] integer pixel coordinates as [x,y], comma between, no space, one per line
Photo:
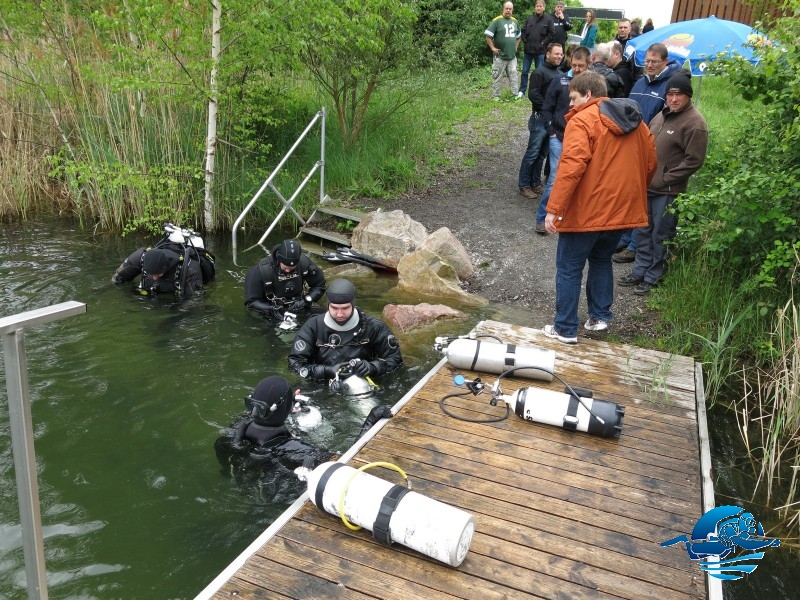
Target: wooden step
[341,211]
[333,236]
[317,247]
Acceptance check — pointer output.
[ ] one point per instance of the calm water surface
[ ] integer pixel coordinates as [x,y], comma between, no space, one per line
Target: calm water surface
[129,398]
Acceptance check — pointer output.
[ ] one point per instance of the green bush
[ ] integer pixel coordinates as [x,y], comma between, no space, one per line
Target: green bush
[747,213]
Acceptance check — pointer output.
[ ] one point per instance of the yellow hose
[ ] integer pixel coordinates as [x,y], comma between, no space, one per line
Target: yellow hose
[387,465]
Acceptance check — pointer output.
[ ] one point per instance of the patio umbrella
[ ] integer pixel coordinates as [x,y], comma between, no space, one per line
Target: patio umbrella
[698,41]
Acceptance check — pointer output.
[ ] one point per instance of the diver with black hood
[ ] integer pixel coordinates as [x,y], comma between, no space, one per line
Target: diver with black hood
[261,438]
[344,336]
[177,264]
[163,271]
[285,281]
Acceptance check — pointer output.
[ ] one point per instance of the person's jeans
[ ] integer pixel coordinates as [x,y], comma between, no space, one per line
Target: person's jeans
[574,250]
[530,171]
[651,250]
[527,60]
[556,145]
[628,240]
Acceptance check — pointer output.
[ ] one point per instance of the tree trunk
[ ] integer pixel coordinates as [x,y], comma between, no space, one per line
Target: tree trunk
[211,138]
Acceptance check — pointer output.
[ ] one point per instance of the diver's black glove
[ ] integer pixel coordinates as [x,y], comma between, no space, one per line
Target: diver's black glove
[297,305]
[324,371]
[364,368]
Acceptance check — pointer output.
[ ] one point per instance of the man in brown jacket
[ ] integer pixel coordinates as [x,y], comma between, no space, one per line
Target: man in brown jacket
[681,136]
[607,163]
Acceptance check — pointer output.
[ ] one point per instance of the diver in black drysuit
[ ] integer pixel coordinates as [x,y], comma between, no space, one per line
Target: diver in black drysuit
[278,283]
[167,268]
[261,439]
[344,335]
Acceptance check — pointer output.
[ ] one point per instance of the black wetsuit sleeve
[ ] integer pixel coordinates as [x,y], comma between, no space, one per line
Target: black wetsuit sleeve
[254,293]
[385,347]
[130,268]
[304,352]
[315,282]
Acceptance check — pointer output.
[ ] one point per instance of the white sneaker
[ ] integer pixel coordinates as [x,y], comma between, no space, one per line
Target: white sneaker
[592,325]
[520,94]
[550,331]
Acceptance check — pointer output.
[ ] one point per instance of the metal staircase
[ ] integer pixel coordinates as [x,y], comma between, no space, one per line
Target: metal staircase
[327,228]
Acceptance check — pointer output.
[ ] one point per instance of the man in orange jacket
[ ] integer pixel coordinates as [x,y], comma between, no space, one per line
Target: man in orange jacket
[608,160]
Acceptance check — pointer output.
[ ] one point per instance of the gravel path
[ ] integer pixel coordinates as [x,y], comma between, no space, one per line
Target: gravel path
[482,207]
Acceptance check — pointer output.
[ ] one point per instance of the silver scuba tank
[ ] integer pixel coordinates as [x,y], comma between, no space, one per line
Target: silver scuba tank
[497,358]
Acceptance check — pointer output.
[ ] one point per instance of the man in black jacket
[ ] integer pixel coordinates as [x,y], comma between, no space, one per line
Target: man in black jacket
[561,25]
[614,85]
[537,33]
[530,171]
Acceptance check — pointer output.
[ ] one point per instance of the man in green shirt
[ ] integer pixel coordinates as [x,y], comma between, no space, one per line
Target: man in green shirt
[503,37]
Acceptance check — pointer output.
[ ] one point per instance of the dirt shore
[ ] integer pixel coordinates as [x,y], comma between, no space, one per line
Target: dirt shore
[481,205]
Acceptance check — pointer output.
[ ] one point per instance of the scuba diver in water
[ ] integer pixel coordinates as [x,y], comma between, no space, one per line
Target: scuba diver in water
[178,264]
[261,438]
[277,284]
[344,336]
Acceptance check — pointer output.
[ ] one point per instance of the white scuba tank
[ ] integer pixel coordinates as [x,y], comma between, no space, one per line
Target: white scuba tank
[497,358]
[392,512]
[564,410]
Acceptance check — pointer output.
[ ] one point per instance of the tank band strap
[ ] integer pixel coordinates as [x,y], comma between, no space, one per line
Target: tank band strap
[477,353]
[323,481]
[380,528]
[571,418]
[511,351]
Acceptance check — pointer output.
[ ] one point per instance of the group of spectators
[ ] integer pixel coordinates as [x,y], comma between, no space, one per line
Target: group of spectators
[610,146]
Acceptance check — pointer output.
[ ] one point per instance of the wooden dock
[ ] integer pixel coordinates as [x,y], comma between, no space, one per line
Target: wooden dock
[558,514]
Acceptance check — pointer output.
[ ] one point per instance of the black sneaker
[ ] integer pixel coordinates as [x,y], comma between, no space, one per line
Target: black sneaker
[643,288]
[540,228]
[626,256]
[629,281]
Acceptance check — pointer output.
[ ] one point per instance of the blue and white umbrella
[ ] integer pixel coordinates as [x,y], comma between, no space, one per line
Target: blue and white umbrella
[698,41]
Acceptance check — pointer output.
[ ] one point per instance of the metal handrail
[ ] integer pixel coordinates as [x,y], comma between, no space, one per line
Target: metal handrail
[12,330]
[287,204]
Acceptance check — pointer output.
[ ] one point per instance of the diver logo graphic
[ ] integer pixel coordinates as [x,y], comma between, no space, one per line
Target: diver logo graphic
[717,534]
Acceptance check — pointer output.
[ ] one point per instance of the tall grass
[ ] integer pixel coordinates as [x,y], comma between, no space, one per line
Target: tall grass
[769,417]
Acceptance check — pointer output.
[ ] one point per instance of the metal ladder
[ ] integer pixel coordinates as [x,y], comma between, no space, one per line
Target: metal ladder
[313,237]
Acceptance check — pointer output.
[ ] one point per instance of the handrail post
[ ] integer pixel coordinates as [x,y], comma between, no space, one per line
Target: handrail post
[19,414]
[322,159]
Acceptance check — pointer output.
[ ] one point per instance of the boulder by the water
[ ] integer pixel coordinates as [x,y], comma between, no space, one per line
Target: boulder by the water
[388,236]
[404,317]
[443,243]
[425,272]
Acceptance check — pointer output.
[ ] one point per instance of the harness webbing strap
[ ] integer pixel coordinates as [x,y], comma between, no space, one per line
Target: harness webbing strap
[380,528]
[323,481]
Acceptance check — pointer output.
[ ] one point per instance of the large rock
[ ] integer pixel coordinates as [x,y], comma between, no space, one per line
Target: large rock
[427,273]
[404,317]
[388,236]
[443,243]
